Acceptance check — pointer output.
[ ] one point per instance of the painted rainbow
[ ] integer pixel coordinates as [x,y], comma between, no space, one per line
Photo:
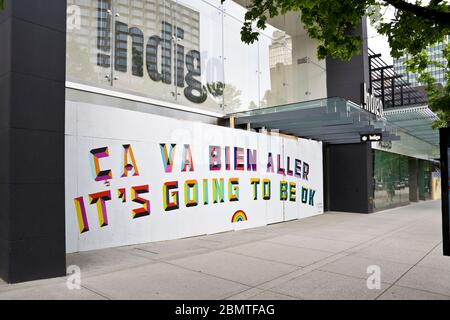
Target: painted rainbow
[239,216]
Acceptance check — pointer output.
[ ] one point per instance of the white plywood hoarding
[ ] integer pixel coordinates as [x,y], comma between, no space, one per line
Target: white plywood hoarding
[133,178]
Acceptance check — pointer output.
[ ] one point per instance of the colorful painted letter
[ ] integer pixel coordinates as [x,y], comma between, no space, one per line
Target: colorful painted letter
[215,154]
[283,190]
[255,183]
[233,189]
[167,157]
[218,192]
[187,159]
[145,209]
[81,214]
[191,197]
[126,165]
[266,189]
[122,194]
[100,199]
[205,192]
[238,158]
[292,191]
[252,160]
[270,163]
[96,154]
[171,199]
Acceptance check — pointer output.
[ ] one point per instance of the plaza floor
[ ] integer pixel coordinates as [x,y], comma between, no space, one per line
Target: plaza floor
[323,257]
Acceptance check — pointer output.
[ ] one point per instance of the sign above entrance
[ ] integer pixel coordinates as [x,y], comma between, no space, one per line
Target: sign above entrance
[370,102]
[375,137]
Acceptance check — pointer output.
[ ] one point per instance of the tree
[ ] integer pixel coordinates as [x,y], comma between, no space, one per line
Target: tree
[232,98]
[416,24]
[226,95]
[2,4]
[330,21]
[438,95]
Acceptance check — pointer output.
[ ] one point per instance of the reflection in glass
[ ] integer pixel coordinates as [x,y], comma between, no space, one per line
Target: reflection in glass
[391,179]
[191,53]
[425,171]
[290,70]
[241,63]
[89,42]
[104,33]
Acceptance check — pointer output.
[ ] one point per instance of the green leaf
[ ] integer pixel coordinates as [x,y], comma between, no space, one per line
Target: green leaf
[416,25]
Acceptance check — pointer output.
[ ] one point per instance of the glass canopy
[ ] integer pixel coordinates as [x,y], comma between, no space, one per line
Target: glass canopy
[417,121]
[331,120]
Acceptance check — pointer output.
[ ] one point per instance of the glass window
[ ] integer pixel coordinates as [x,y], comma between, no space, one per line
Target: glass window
[241,63]
[391,180]
[191,53]
[89,42]
[290,70]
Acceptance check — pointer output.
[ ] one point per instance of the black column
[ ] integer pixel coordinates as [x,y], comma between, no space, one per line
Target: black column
[444,134]
[344,78]
[32,103]
[349,178]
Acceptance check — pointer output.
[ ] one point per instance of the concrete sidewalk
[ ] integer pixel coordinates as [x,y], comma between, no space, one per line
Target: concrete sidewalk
[323,257]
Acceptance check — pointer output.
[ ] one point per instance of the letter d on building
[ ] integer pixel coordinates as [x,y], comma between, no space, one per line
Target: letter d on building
[74,278]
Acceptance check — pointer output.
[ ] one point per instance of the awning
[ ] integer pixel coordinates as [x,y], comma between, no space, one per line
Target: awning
[331,120]
[417,121]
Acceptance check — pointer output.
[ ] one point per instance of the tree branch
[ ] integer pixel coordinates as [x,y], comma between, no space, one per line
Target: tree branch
[427,13]
[435,2]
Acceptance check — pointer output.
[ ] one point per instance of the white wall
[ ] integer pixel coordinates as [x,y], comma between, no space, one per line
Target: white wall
[91,127]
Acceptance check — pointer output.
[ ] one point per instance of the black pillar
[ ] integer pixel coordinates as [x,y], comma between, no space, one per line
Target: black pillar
[413,165]
[349,178]
[444,134]
[344,78]
[32,106]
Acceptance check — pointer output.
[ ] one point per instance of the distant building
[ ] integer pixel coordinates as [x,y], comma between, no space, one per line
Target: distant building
[280,50]
[435,54]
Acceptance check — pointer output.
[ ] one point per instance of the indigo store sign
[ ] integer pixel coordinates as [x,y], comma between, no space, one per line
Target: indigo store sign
[370,102]
[166,59]
[151,48]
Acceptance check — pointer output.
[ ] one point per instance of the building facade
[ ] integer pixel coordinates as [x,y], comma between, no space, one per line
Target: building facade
[127,122]
[435,54]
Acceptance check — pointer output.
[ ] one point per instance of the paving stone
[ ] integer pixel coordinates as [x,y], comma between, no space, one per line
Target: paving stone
[357,267]
[162,281]
[226,265]
[402,293]
[327,286]
[427,279]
